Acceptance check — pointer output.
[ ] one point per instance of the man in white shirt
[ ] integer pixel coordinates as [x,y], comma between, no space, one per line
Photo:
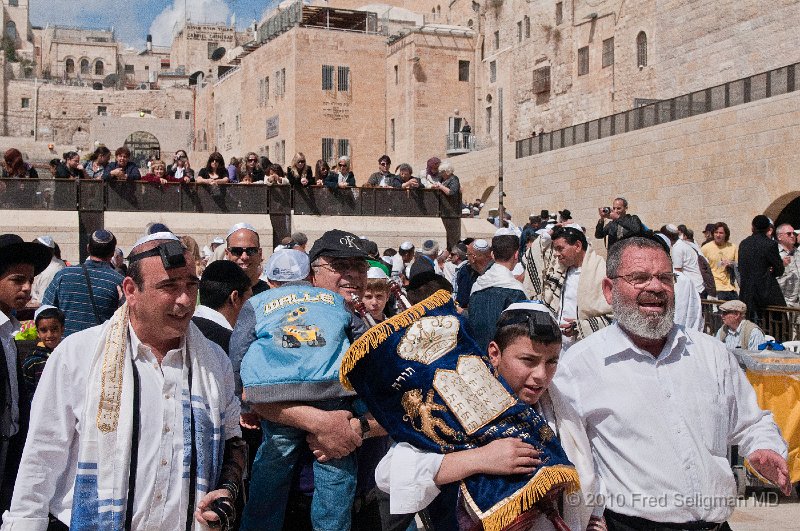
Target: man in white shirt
[684,258]
[661,405]
[132,417]
[19,262]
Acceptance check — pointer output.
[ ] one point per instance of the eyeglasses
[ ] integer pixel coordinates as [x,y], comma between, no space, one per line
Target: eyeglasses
[342,165]
[237,251]
[540,324]
[384,163]
[340,266]
[641,280]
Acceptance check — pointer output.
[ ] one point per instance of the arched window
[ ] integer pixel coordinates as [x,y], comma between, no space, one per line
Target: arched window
[85,68]
[99,68]
[641,49]
[11,31]
[69,66]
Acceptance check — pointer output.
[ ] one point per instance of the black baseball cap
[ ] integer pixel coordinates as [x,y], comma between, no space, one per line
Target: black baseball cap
[337,244]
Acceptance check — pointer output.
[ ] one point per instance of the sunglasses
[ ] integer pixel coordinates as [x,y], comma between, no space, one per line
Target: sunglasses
[237,251]
[301,162]
[252,160]
[342,165]
[340,266]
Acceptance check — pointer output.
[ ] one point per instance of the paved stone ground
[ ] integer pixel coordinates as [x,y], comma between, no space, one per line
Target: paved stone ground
[766,512]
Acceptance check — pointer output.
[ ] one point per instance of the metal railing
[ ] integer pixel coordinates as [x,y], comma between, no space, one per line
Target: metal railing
[100,196]
[461,142]
[752,88]
[780,322]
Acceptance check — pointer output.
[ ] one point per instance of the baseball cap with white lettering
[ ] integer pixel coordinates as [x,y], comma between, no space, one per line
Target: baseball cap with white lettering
[337,244]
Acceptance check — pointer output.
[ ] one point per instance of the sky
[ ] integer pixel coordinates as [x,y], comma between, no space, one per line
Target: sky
[132,20]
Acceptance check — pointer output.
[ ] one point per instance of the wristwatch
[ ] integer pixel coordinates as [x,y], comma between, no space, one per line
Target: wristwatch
[364,426]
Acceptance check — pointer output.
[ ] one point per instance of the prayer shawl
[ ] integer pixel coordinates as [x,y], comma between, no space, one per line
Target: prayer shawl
[104,455]
[428,384]
[537,260]
[594,312]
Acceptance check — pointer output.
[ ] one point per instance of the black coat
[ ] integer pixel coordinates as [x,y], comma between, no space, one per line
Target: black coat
[760,264]
[214,332]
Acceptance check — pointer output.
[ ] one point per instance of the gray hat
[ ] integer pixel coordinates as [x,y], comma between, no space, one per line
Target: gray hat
[733,306]
[287,265]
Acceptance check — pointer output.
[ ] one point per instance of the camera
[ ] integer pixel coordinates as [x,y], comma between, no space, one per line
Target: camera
[606,210]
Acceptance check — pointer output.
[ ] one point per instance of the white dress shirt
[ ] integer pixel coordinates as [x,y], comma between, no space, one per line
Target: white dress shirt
[685,258]
[660,427]
[47,474]
[688,309]
[8,327]
[211,314]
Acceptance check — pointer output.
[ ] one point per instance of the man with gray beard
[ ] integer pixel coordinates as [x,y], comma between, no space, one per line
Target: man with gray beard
[661,405]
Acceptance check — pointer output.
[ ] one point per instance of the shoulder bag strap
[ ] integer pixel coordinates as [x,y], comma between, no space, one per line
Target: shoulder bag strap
[91,294]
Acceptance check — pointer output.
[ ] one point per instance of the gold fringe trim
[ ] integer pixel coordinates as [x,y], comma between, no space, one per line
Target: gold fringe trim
[504,512]
[380,332]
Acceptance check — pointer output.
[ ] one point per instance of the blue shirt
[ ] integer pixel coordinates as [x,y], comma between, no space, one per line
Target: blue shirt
[68,292]
[131,171]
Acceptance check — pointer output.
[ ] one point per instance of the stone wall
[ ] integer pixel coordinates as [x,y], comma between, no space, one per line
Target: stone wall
[728,165]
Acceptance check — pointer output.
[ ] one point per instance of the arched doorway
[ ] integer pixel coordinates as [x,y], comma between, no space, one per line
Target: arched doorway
[786,209]
[143,145]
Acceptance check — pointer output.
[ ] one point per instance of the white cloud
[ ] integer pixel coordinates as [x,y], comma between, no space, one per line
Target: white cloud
[197,11]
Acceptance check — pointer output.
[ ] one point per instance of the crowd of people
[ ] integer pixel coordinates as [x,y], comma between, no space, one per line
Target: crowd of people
[179,387]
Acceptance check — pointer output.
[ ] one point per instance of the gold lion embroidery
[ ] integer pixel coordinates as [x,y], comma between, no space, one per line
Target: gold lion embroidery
[416,407]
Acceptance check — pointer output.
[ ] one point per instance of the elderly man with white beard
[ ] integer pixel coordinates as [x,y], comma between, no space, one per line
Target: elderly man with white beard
[661,404]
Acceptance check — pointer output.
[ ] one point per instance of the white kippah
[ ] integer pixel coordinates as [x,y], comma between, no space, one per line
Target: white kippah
[47,240]
[40,309]
[153,237]
[572,225]
[406,246]
[376,272]
[218,240]
[535,306]
[480,245]
[240,226]
[505,231]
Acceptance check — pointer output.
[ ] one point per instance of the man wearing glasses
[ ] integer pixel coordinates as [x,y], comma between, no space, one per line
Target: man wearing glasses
[790,280]
[573,286]
[252,171]
[661,404]
[244,248]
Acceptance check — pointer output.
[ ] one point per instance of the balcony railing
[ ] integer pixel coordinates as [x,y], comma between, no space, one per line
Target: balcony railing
[780,322]
[460,143]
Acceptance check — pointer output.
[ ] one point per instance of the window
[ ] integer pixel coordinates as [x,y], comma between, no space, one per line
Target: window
[283,152]
[641,49]
[391,134]
[85,68]
[11,30]
[559,13]
[282,87]
[396,75]
[13,3]
[102,110]
[463,70]
[496,40]
[238,120]
[99,68]
[583,61]
[211,47]
[178,115]
[277,83]
[25,103]
[488,120]
[266,90]
[129,69]
[519,31]
[69,66]
[343,147]
[186,115]
[492,71]
[527,21]
[343,78]
[608,52]
[327,149]
[327,77]
[541,80]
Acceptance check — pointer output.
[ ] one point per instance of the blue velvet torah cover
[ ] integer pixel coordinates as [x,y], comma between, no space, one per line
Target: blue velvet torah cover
[428,384]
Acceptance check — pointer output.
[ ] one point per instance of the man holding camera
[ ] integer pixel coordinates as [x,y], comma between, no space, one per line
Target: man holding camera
[622,224]
[146,435]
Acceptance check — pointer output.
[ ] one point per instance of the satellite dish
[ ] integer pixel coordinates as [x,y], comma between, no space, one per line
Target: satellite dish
[218,54]
[97,85]
[110,80]
[196,78]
